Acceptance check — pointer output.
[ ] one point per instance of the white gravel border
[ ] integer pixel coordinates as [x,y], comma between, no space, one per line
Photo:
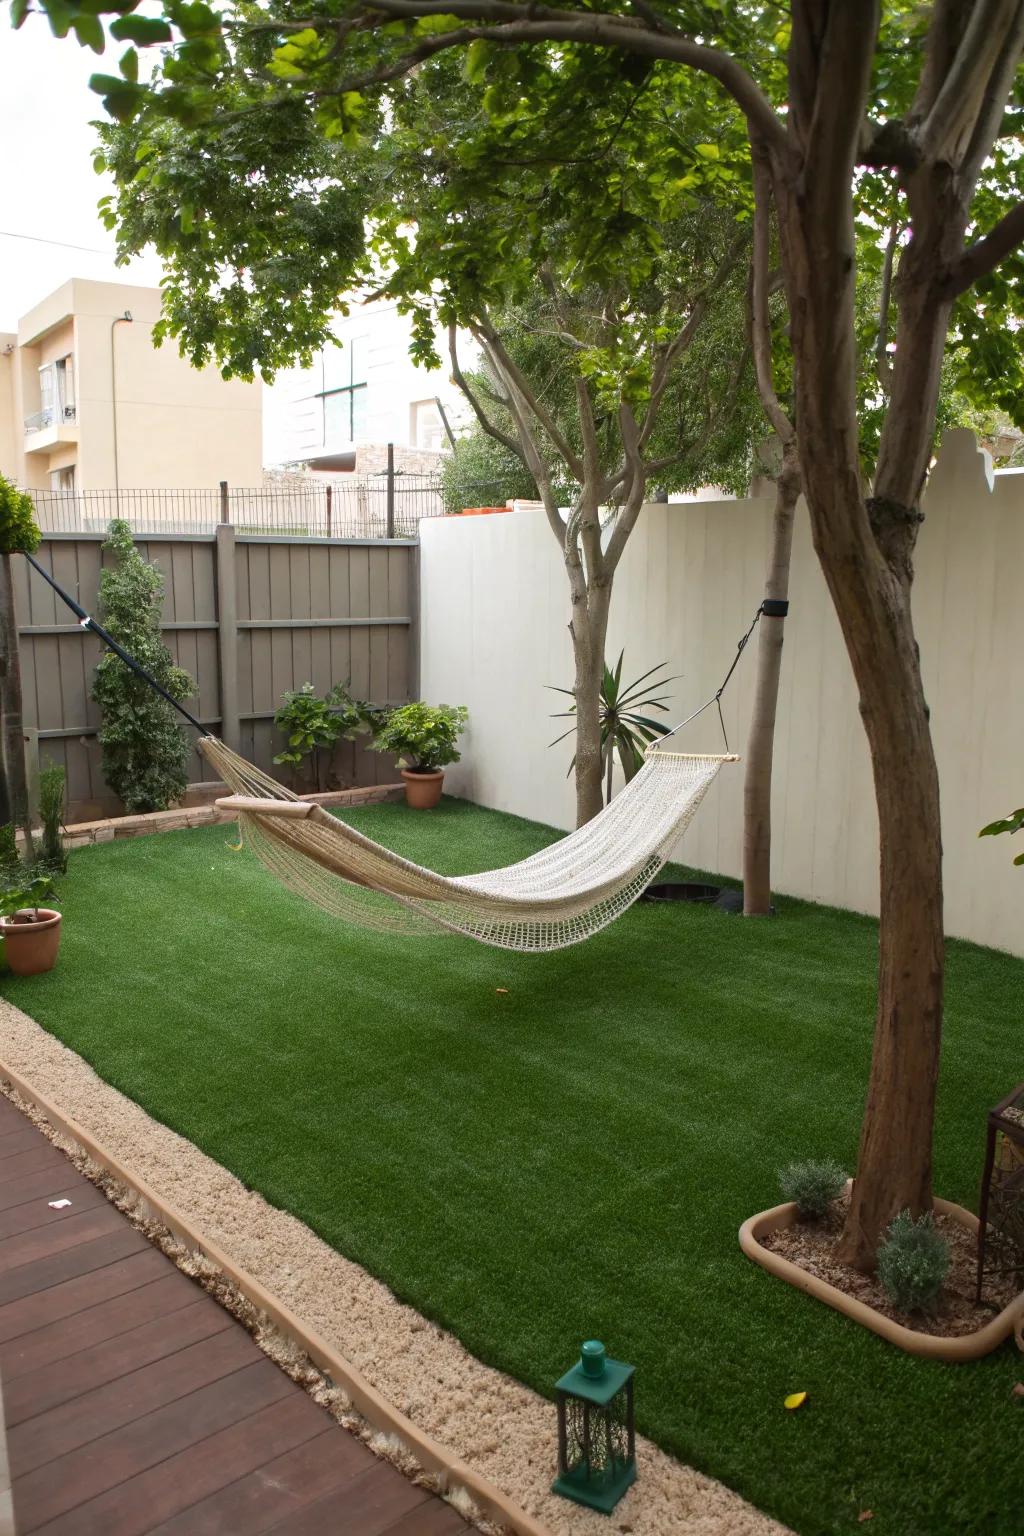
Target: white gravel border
[497,1425]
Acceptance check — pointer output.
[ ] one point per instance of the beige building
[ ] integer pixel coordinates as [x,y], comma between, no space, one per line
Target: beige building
[88,403]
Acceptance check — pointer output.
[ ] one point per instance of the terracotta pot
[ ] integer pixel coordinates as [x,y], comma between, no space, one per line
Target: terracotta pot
[422,790]
[31,942]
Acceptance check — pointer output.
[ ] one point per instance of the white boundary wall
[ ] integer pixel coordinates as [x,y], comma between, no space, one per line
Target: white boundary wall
[494,606]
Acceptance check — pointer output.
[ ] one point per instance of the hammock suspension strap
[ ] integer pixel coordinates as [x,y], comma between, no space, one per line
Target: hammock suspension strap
[770,608]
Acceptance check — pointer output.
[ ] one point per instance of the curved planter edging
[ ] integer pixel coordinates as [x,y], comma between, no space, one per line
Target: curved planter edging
[372,1404]
[968,1346]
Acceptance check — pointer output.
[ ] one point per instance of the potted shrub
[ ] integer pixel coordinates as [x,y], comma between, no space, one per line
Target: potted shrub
[423,738]
[315,725]
[31,932]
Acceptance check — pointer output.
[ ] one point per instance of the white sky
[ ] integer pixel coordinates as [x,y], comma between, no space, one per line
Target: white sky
[48,187]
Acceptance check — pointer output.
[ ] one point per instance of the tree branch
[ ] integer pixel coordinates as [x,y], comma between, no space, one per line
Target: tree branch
[683,340]
[945,30]
[529,448]
[637,478]
[993,102]
[883,367]
[478,410]
[837,46]
[986,254]
[512,373]
[956,107]
[649,14]
[512,22]
[760,321]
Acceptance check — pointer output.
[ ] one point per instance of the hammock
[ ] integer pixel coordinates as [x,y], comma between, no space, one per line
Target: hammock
[555,898]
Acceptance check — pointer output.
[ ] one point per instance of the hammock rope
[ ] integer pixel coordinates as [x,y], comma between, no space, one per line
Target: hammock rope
[557,897]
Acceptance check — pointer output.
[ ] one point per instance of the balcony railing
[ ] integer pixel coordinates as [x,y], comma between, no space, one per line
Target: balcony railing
[53,416]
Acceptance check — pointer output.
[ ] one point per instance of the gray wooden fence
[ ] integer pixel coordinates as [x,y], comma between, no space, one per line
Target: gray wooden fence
[249,617]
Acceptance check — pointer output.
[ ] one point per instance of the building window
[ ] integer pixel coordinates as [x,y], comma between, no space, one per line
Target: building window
[63,480]
[57,392]
[65,367]
[344,392]
[427,428]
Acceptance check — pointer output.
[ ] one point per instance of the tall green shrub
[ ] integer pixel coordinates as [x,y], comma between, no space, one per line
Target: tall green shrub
[480,472]
[18,535]
[144,749]
[52,783]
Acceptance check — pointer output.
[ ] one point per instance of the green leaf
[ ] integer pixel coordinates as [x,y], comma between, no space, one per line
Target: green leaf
[193,19]
[478,56]
[143,30]
[427,26]
[1012,823]
[60,17]
[89,31]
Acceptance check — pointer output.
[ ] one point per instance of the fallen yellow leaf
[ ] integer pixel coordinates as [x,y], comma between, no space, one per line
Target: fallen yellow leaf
[794,1400]
[502,991]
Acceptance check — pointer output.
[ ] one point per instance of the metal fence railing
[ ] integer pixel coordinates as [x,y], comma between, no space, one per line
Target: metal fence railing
[357,507]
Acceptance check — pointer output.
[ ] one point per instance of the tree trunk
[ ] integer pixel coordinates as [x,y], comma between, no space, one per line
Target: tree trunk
[757,786]
[6,813]
[894,1164]
[589,628]
[864,550]
[10,708]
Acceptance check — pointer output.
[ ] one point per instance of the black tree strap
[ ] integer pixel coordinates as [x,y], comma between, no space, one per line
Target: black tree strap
[89,623]
[770,608]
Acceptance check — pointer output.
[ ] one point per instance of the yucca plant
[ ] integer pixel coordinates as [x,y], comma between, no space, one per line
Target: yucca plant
[627,729]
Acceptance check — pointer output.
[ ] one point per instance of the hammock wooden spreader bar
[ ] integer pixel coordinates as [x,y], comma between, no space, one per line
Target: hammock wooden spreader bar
[554,898]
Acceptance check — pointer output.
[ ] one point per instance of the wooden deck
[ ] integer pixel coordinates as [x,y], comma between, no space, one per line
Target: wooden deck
[134,1403]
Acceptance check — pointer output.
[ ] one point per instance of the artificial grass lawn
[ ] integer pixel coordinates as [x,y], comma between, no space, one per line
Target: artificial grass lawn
[569,1160]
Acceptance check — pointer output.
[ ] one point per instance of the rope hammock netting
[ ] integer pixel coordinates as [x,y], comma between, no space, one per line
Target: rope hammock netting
[555,898]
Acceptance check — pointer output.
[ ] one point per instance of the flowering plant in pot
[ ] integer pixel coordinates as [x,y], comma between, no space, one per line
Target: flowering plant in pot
[424,739]
[31,931]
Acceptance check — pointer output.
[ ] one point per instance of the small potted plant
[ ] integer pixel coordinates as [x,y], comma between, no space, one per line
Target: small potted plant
[423,738]
[31,932]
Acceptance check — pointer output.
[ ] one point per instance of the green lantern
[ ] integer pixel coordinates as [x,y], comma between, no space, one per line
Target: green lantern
[596,1436]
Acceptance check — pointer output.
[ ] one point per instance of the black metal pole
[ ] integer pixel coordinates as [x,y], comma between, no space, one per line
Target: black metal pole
[391,490]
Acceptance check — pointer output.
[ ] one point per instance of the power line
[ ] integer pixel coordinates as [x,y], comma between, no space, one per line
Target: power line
[10,234]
